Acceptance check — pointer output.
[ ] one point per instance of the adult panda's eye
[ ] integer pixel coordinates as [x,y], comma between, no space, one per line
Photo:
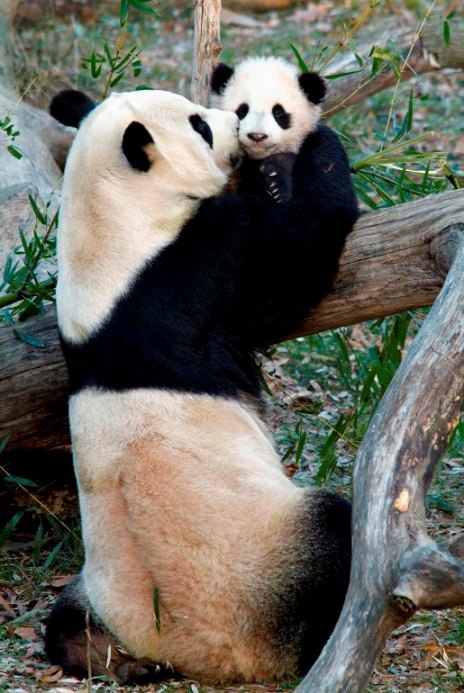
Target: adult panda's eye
[202,127]
[242,110]
[281,116]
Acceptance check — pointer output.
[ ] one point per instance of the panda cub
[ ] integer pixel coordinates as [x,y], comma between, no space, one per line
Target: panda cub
[199,551]
[277,109]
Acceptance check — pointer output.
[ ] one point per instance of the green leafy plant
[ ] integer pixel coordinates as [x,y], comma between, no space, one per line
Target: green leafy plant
[9,134]
[23,292]
[111,64]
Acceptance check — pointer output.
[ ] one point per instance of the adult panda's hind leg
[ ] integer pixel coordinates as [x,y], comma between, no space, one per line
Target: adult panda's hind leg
[81,647]
[324,533]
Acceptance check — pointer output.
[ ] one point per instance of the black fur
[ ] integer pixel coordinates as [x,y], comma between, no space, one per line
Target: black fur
[282,118]
[202,127]
[240,276]
[313,85]
[301,611]
[271,176]
[242,110]
[135,138]
[221,75]
[71,627]
[70,107]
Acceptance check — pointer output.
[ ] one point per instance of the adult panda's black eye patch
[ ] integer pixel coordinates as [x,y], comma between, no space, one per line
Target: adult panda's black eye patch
[282,118]
[242,110]
[202,127]
[135,138]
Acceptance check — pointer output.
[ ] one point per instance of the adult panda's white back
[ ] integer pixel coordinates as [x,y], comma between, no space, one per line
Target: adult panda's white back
[99,260]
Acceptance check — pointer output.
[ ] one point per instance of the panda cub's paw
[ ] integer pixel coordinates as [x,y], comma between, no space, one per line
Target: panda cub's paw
[277,171]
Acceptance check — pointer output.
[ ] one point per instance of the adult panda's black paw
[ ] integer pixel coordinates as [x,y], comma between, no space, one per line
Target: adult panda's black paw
[277,171]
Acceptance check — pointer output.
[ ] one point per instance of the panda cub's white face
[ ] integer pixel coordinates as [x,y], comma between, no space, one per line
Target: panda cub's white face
[275,114]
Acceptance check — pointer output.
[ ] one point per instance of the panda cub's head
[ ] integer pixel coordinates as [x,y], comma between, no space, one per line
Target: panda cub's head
[277,106]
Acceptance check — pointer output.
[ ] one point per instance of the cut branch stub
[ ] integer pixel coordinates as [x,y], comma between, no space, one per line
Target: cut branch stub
[406,438]
[430,579]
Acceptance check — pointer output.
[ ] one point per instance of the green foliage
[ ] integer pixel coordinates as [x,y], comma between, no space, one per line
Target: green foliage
[8,134]
[109,66]
[22,292]
[49,525]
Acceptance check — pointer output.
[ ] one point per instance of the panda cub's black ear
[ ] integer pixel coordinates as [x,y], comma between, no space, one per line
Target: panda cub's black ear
[221,75]
[70,107]
[135,139]
[313,85]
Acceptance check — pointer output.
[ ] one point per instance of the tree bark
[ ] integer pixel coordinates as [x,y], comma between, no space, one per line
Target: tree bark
[394,259]
[396,567]
[207,46]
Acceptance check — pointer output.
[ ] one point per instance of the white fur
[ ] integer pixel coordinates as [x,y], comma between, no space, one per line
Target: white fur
[262,83]
[184,493]
[113,218]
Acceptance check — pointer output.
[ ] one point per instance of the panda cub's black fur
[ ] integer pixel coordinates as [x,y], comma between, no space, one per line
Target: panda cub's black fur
[168,289]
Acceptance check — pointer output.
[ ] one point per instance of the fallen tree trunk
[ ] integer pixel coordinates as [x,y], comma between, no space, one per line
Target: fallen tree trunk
[395,259]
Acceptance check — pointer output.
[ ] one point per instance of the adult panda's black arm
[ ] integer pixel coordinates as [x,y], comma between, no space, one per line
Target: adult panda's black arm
[240,275]
[293,250]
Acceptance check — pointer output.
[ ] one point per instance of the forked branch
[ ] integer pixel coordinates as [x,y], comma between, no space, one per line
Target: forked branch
[396,568]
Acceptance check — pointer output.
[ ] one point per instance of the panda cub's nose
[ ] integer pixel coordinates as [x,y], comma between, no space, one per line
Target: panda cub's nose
[257,136]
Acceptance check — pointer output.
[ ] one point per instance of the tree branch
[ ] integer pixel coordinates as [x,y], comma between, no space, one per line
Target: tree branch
[394,260]
[406,438]
[207,47]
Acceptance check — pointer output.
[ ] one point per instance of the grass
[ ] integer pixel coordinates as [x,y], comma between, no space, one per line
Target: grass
[324,388]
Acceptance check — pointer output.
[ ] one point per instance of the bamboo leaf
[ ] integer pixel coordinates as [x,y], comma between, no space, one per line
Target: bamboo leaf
[29,339]
[4,443]
[14,151]
[301,63]
[10,526]
[20,481]
[156,610]
[52,555]
[38,214]
[446,32]
[337,75]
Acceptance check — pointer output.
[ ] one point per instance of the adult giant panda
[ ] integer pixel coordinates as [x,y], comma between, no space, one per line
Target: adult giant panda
[277,108]
[199,551]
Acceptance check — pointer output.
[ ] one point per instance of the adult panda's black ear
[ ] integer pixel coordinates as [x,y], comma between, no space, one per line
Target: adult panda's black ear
[220,76]
[70,107]
[134,142]
[313,85]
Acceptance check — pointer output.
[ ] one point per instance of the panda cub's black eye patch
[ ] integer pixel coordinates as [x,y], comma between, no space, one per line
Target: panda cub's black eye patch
[242,110]
[281,116]
[202,127]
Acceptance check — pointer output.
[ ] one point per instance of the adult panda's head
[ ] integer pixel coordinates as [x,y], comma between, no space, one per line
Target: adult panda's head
[153,132]
[139,166]
[277,106]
